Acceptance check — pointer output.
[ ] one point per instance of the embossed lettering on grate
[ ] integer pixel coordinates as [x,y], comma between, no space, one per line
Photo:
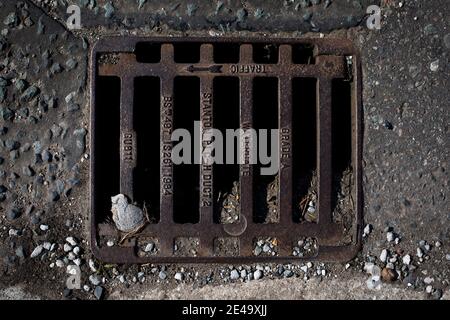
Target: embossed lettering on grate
[145,88]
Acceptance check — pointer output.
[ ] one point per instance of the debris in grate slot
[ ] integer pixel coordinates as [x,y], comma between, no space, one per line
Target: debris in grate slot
[230,204]
[306,247]
[148,246]
[307,205]
[186,247]
[265,247]
[345,206]
[226,247]
[266,198]
[109,58]
[127,217]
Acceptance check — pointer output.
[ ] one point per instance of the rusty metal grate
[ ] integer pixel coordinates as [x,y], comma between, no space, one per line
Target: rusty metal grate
[308,88]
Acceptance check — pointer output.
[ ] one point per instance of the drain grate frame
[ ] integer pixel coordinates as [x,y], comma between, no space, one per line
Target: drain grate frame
[329,62]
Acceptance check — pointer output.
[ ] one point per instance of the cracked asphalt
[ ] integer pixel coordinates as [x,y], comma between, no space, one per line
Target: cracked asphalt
[44,149]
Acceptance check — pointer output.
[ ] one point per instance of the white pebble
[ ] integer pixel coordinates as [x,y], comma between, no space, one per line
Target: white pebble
[438,244]
[428,280]
[304,269]
[71,241]
[37,251]
[76,250]
[367,230]
[71,256]
[149,247]
[179,276]
[47,245]
[86,288]
[13,232]
[406,259]
[95,279]
[67,247]
[383,255]
[309,264]
[257,274]
[434,66]
[77,261]
[43,227]
[390,236]
[92,265]
[110,243]
[429,289]
[59,263]
[419,253]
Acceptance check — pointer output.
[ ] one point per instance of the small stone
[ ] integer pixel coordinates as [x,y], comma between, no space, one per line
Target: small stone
[71,64]
[28,171]
[257,251]
[390,236]
[29,94]
[13,213]
[98,292]
[71,241]
[109,10]
[257,274]
[20,85]
[67,247]
[19,252]
[37,251]
[434,66]
[59,263]
[419,253]
[234,274]
[92,265]
[149,247]
[383,255]
[56,68]
[438,244]
[162,275]
[76,250]
[429,289]
[388,275]
[406,259]
[179,276]
[47,245]
[11,20]
[95,279]
[428,280]
[447,40]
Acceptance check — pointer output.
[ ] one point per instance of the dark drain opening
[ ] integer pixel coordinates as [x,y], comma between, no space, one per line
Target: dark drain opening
[148,52]
[304,139]
[187,52]
[146,124]
[226,176]
[186,176]
[226,52]
[265,116]
[107,138]
[265,53]
[303,54]
[341,141]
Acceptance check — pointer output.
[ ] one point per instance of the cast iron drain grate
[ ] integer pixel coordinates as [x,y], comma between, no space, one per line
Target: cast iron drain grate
[145,88]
